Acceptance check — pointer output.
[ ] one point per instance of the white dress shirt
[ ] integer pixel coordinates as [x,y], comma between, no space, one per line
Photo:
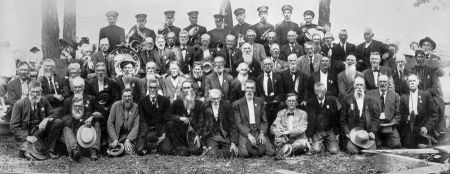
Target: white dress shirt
[251,112]
[101,85]
[215,109]
[413,100]
[360,103]
[375,76]
[206,54]
[220,76]
[290,121]
[53,81]
[324,78]
[183,52]
[24,86]
[265,84]
[368,44]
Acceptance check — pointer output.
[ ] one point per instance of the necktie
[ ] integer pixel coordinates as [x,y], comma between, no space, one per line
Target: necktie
[153,101]
[292,48]
[401,75]
[52,87]
[269,85]
[311,66]
[343,46]
[382,101]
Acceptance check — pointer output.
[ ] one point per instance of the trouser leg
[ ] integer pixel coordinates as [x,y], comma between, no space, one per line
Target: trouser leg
[300,146]
[391,140]
[70,139]
[54,132]
[332,143]
[242,149]
[98,131]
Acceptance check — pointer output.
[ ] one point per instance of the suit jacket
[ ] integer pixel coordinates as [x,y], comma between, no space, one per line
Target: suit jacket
[226,120]
[21,116]
[324,49]
[169,89]
[146,56]
[115,35]
[429,80]
[340,54]
[401,85]
[135,85]
[299,85]
[153,117]
[232,59]
[363,53]
[144,87]
[426,116]
[241,116]
[391,105]
[300,122]
[198,54]
[277,85]
[369,77]
[254,69]
[185,61]
[110,69]
[109,86]
[303,63]
[61,87]
[14,91]
[90,104]
[346,88]
[118,120]
[332,85]
[350,114]
[283,28]
[218,35]
[199,88]
[236,91]
[212,82]
[162,60]
[285,51]
[329,110]
[258,52]
[178,110]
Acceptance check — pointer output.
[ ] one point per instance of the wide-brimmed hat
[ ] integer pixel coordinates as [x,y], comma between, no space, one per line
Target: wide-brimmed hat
[36,151]
[258,150]
[427,39]
[360,137]
[387,127]
[86,136]
[116,151]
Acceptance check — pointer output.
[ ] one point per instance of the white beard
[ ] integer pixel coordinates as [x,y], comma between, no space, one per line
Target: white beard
[248,58]
[350,73]
[359,95]
[242,78]
[76,115]
[189,102]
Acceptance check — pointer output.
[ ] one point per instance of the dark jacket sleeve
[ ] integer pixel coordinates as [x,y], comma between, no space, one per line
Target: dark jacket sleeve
[264,125]
[234,136]
[344,117]
[432,113]
[243,128]
[15,123]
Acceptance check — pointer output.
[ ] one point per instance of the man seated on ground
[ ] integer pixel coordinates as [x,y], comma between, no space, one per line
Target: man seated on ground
[81,116]
[219,131]
[361,112]
[154,111]
[289,129]
[323,120]
[33,119]
[250,116]
[184,122]
[123,122]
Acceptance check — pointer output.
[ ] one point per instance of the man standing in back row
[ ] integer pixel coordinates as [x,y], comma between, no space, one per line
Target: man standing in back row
[114,33]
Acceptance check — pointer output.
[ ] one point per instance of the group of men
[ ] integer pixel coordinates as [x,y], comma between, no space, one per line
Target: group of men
[242,91]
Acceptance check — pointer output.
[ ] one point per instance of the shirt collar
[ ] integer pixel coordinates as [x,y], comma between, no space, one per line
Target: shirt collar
[323,100]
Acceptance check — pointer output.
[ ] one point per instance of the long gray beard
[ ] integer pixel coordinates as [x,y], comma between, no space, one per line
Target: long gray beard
[127,79]
[189,103]
[359,95]
[248,58]
[350,73]
[242,78]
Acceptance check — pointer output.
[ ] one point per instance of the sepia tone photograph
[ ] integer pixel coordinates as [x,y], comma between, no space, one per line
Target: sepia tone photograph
[225,86]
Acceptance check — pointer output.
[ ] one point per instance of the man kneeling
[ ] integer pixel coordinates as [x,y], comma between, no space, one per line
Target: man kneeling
[87,128]
[289,129]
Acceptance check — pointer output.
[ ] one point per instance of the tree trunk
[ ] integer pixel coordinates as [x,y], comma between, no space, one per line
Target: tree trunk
[70,20]
[324,14]
[50,29]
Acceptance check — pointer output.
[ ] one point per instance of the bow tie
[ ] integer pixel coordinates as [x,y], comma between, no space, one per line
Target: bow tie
[376,70]
[290,114]
[183,48]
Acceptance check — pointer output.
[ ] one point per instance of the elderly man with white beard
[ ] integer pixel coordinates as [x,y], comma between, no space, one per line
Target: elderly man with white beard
[150,70]
[54,87]
[218,79]
[197,79]
[237,89]
[79,116]
[127,79]
[173,81]
[346,78]
[163,56]
[253,64]
[92,104]
[33,119]
[73,71]
[123,122]
[204,52]
[258,50]
[184,123]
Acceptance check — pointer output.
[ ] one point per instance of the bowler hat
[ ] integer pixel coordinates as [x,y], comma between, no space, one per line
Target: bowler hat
[86,136]
[360,137]
[428,39]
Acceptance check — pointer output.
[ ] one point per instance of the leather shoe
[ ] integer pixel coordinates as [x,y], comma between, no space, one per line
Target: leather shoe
[52,155]
[75,154]
[94,156]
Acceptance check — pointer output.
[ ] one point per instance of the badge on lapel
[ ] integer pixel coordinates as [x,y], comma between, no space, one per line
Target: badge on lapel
[330,81]
[87,104]
[132,85]
[420,99]
[42,109]
[57,85]
[106,86]
[328,106]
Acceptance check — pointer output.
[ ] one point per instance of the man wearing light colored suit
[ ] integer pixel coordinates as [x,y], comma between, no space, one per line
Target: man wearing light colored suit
[310,62]
[218,79]
[278,64]
[258,50]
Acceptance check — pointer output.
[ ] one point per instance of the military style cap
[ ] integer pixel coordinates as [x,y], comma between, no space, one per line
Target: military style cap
[169,13]
[34,49]
[262,9]
[112,13]
[239,11]
[141,16]
[219,16]
[286,7]
[308,12]
[192,13]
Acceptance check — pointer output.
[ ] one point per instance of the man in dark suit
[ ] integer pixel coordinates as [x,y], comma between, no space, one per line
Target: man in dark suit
[163,55]
[269,87]
[428,76]
[327,47]
[154,111]
[114,33]
[371,74]
[219,33]
[237,90]
[17,88]
[364,50]
[328,79]
[218,79]
[271,39]
[204,53]
[185,53]
[127,80]
[231,53]
[346,78]
[89,101]
[54,87]
[400,75]
[250,116]
[286,25]
[194,30]
[389,103]
[197,78]
[292,47]
[262,28]
[33,119]
[249,58]
[103,56]
[240,29]
[343,48]
[168,25]
[146,54]
[102,84]
[323,120]
[359,110]
[295,81]
[219,127]
[151,74]
[418,115]
[139,32]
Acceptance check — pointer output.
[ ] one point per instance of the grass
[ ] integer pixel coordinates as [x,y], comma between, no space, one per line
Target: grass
[322,163]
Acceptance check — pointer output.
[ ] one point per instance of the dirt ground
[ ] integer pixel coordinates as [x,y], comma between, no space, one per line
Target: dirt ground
[324,163]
